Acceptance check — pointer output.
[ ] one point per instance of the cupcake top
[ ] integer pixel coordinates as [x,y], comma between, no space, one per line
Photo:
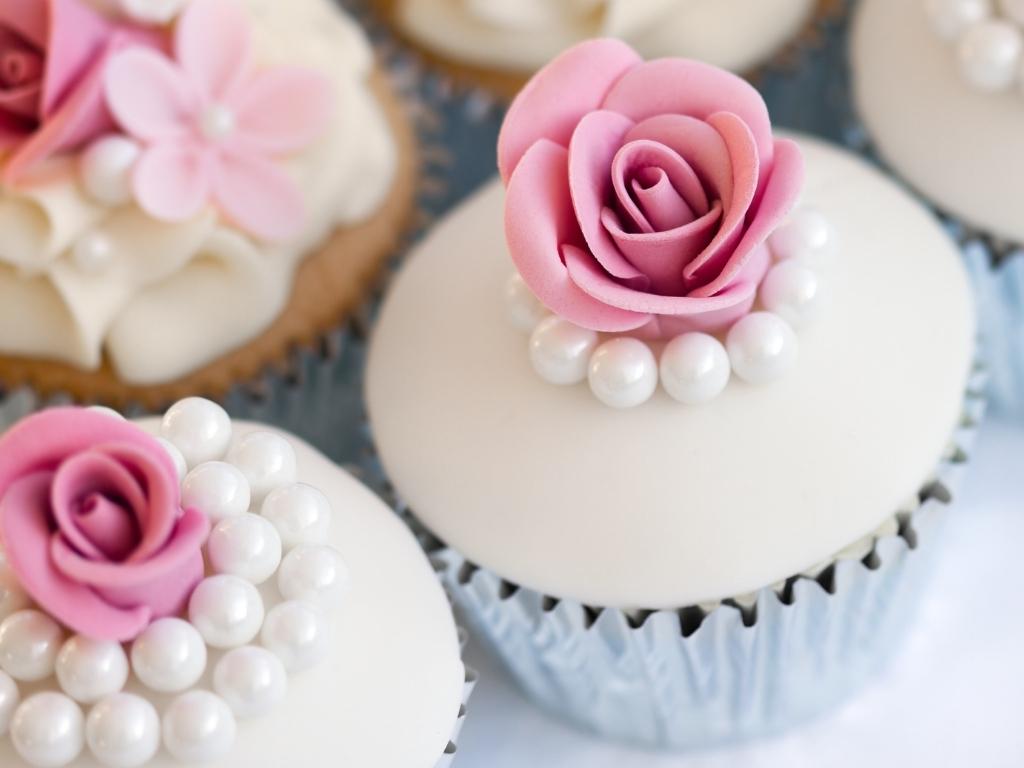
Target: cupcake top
[163,164]
[955,64]
[522,36]
[221,588]
[714,372]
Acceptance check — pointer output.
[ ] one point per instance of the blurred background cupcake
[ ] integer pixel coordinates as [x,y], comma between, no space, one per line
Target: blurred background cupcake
[686,482]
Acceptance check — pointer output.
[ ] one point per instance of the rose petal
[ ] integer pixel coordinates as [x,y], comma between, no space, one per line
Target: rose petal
[29,18]
[23,101]
[149,96]
[24,511]
[172,182]
[76,38]
[540,226]
[259,196]
[556,99]
[282,110]
[213,44]
[168,596]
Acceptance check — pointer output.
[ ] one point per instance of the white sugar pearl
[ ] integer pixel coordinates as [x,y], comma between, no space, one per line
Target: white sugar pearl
[169,656]
[106,411]
[92,252]
[88,670]
[123,731]
[267,460]
[1014,9]
[199,428]
[807,235]
[152,11]
[199,727]
[217,489]
[300,513]
[313,572]
[180,466]
[950,18]
[106,169]
[217,122]
[623,373]
[13,597]
[9,700]
[694,368]
[29,643]
[248,546]
[251,680]
[227,611]
[793,291]
[762,347]
[524,309]
[560,350]
[48,730]
[297,633]
[990,54]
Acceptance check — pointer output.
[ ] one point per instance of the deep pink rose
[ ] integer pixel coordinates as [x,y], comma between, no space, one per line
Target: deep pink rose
[52,55]
[640,195]
[91,520]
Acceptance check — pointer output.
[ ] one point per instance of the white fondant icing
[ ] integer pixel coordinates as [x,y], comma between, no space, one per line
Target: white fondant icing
[959,146]
[735,34]
[175,297]
[662,505]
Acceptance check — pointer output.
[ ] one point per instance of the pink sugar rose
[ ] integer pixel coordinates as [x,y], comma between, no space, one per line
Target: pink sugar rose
[91,521]
[640,194]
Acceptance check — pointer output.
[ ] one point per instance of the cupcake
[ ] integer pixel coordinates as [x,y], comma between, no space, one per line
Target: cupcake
[956,64]
[188,590]
[190,190]
[499,44]
[686,478]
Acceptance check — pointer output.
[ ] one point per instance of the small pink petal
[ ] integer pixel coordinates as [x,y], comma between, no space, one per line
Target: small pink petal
[149,96]
[282,110]
[172,181]
[559,95]
[259,196]
[213,45]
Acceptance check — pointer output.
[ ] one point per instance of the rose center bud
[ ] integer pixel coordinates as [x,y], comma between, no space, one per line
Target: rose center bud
[107,522]
[19,66]
[659,201]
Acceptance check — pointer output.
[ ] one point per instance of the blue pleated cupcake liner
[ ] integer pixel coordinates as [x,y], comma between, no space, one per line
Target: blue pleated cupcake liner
[451,750]
[737,670]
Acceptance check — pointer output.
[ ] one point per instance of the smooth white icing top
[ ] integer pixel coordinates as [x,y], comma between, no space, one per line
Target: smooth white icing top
[177,296]
[665,505]
[388,696]
[522,36]
[960,146]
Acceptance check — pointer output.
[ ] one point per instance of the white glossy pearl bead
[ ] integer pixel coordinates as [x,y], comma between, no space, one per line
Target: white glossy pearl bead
[180,465]
[297,633]
[199,727]
[762,347]
[251,680]
[990,54]
[89,670]
[524,309]
[9,700]
[792,291]
[623,373]
[92,252]
[247,546]
[313,572]
[106,169]
[123,731]
[169,656]
[217,489]
[152,11]
[694,368]
[267,460]
[807,235]
[48,730]
[300,513]
[13,597]
[106,411]
[199,428]
[950,18]
[1014,9]
[560,350]
[227,611]
[217,122]
[29,643]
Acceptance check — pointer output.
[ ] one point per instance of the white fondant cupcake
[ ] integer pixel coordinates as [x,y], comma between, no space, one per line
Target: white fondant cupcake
[189,590]
[688,478]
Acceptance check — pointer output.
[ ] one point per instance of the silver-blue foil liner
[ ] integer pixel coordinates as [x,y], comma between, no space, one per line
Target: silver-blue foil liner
[451,750]
[699,677]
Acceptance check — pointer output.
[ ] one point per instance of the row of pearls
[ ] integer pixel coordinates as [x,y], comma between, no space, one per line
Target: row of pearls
[989,39]
[282,542]
[694,368]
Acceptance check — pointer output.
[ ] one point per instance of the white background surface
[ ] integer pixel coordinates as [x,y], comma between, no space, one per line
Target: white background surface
[953,694]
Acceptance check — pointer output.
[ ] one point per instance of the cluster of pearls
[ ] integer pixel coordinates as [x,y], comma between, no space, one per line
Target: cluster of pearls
[989,39]
[693,368]
[267,530]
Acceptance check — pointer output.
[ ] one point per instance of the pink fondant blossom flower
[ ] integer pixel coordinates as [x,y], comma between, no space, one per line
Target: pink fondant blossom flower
[214,129]
[92,525]
[640,194]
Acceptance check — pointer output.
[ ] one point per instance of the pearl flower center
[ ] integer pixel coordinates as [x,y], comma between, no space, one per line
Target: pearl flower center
[217,123]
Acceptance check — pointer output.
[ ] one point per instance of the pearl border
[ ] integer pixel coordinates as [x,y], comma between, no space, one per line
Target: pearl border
[988,38]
